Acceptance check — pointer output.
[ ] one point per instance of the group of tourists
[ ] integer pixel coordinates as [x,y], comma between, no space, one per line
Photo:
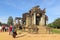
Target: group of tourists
[11,29]
[4,28]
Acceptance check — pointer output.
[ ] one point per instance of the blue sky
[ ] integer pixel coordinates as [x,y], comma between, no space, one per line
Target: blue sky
[16,8]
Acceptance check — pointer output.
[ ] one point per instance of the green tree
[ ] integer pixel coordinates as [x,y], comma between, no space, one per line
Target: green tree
[10,21]
[55,24]
[0,23]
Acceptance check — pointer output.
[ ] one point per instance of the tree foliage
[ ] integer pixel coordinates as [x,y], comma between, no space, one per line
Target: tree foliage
[10,21]
[55,24]
[0,23]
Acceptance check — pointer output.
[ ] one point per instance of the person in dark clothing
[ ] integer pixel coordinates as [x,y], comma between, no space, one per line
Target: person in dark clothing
[14,34]
[6,29]
[20,27]
[3,28]
[14,31]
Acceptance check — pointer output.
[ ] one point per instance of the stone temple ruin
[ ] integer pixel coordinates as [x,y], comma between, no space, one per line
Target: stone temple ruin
[35,16]
[35,20]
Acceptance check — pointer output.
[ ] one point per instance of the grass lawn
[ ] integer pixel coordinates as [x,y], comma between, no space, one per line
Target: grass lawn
[56,31]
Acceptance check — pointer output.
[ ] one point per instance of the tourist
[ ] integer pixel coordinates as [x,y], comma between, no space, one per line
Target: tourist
[6,29]
[20,27]
[0,28]
[14,31]
[10,30]
[3,28]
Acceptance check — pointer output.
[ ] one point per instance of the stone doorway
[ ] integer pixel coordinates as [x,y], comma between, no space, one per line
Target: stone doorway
[37,20]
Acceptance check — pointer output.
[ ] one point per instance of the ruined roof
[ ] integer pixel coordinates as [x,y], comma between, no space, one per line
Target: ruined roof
[36,10]
[24,16]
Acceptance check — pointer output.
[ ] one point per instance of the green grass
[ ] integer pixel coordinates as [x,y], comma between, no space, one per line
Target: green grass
[56,31]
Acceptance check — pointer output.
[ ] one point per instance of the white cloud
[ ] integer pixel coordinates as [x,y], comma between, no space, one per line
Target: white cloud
[3,20]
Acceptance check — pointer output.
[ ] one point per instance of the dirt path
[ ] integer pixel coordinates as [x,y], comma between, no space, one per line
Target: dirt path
[26,36]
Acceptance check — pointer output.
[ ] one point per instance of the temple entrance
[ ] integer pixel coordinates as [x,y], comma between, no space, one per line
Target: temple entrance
[37,20]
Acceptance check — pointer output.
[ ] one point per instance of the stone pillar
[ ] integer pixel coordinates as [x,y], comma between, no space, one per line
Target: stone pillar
[20,22]
[35,18]
[42,21]
[46,22]
[27,21]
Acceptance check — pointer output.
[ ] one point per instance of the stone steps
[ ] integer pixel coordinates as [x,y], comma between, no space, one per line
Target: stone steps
[43,30]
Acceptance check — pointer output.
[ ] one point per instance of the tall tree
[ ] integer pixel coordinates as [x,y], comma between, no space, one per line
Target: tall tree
[10,21]
[0,23]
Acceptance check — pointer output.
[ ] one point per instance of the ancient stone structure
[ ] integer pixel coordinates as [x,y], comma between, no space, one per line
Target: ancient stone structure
[18,21]
[35,18]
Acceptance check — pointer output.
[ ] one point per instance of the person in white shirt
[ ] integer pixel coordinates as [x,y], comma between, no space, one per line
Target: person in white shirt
[0,28]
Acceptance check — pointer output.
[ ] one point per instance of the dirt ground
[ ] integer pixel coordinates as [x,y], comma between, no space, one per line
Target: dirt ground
[27,36]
